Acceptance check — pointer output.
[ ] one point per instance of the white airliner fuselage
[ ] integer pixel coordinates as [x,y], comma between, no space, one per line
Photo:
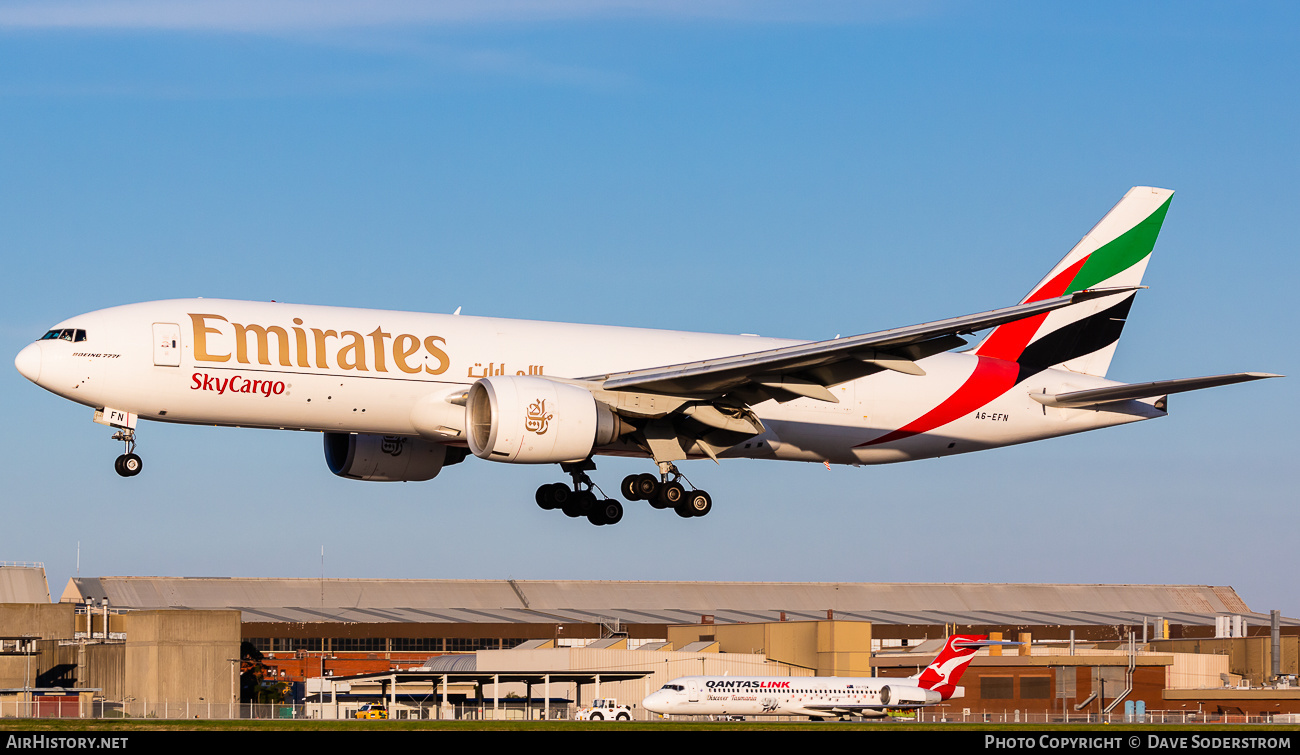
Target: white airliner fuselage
[789,696]
[377,379]
[821,696]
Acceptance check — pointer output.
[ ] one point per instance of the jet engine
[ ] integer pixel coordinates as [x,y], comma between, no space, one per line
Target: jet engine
[908,696]
[384,458]
[532,420]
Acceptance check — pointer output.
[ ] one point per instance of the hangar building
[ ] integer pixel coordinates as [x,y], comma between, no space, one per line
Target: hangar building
[1194,647]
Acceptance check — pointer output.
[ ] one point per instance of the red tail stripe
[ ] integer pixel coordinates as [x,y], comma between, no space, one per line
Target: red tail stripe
[996,372]
[1009,341]
[991,378]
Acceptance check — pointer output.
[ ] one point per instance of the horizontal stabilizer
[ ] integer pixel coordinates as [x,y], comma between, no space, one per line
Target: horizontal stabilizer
[1095,396]
[977,644]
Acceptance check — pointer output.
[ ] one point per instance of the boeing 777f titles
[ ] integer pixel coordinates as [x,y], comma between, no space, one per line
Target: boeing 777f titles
[821,696]
[400,395]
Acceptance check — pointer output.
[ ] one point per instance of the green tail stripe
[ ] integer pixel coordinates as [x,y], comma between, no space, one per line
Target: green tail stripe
[1119,255]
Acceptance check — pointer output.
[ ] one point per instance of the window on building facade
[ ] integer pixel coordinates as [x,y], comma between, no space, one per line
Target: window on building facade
[997,687]
[1035,687]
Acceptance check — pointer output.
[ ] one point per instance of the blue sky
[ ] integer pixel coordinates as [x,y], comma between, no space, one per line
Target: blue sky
[790,169]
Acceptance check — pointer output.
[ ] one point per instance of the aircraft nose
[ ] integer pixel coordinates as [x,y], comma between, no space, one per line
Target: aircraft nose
[28,362]
[654,702]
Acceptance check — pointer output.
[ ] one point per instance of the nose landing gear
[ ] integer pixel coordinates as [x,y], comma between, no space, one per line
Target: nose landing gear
[128,464]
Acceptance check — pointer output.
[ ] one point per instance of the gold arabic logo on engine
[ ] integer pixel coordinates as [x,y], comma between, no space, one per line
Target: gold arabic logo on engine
[536,420]
[392,445]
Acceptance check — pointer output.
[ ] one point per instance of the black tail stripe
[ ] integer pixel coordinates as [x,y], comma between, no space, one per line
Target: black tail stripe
[1077,339]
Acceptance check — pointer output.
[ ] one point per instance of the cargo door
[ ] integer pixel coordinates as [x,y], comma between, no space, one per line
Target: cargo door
[166,344]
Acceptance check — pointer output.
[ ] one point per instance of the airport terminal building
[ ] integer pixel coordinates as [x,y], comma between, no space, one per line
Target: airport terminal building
[509,648]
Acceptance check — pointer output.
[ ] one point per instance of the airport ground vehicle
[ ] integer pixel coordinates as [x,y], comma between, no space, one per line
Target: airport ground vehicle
[372,712]
[604,709]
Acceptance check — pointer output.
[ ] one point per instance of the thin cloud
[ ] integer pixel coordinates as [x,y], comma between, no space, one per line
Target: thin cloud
[271,16]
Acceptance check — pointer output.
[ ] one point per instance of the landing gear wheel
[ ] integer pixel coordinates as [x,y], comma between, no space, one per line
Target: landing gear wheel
[607,511]
[698,503]
[629,489]
[580,503]
[647,488]
[671,494]
[128,465]
[550,496]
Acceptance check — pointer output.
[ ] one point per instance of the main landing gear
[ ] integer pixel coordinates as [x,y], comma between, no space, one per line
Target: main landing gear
[581,500]
[663,493]
[128,464]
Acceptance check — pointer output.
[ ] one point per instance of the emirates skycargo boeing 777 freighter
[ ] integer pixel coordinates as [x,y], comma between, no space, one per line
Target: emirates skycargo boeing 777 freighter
[400,395]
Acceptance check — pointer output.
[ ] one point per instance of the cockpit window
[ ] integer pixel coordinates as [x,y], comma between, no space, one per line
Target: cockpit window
[65,334]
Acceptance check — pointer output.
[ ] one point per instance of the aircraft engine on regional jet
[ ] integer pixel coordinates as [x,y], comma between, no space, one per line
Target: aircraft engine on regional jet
[532,420]
[908,696]
[384,458]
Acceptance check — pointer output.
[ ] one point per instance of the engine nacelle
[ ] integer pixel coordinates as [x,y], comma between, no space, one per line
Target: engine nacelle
[906,696]
[532,420]
[384,458]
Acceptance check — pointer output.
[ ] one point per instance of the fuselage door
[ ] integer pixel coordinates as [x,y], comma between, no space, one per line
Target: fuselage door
[692,691]
[166,344]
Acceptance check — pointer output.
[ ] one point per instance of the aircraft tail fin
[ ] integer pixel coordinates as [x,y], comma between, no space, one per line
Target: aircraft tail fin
[946,669]
[1113,254]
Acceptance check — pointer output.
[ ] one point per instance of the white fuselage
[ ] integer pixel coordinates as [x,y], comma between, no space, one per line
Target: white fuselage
[787,696]
[301,367]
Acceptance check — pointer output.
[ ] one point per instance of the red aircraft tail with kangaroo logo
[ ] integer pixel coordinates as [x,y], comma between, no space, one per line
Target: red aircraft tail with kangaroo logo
[945,671]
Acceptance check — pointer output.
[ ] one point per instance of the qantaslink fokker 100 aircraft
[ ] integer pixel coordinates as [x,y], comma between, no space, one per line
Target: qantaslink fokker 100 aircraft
[400,395]
[821,697]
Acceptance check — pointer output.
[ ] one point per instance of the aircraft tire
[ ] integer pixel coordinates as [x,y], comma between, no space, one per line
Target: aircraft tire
[671,494]
[629,488]
[130,465]
[647,488]
[611,511]
[581,503]
[699,502]
[544,497]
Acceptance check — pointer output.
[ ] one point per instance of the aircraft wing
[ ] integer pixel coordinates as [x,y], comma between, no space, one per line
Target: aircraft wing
[808,369]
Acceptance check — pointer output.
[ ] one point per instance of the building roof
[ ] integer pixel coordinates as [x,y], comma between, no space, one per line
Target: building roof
[22,582]
[546,601]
